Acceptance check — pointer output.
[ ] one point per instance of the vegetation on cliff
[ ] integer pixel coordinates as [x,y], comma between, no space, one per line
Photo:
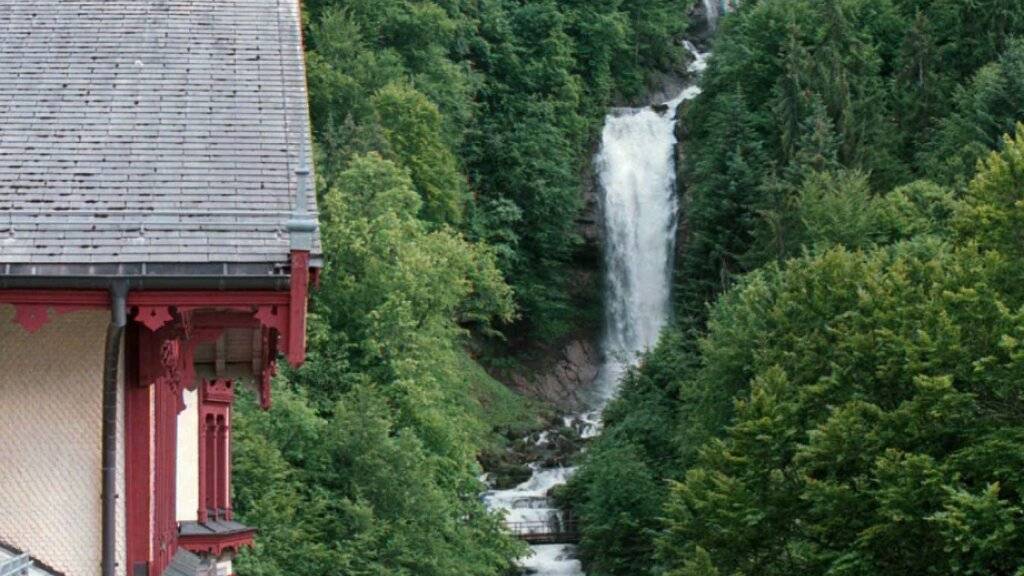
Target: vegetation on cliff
[450,138]
[841,392]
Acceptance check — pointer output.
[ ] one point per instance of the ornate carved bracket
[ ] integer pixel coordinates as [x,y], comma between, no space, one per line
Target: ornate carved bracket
[167,316]
[166,361]
[217,391]
[154,317]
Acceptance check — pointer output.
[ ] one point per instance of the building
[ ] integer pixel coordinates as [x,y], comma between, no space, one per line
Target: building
[157,243]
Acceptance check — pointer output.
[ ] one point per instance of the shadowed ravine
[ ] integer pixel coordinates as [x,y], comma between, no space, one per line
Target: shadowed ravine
[636,171]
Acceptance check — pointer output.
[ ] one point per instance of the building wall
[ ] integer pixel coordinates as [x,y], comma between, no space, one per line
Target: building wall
[51,386]
[187,480]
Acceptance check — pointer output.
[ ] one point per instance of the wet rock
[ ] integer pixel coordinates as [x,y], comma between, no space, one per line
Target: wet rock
[662,87]
[509,475]
[565,383]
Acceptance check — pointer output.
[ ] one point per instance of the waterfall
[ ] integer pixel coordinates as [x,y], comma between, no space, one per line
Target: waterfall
[636,172]
[712,10]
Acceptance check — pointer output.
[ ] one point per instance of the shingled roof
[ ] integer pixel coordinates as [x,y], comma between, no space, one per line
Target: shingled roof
[150,131]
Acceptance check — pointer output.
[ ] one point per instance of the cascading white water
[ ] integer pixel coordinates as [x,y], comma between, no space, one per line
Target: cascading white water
[636,170]
[712,10]
[637,174]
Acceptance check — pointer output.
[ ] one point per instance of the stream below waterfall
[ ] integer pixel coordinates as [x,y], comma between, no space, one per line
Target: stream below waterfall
[636,172]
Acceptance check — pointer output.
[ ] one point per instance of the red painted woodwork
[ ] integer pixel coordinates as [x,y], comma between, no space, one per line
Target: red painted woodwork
[215,399]
[217,544]
[207,298]
[165,521]
[158,366]
[295,347]
[208,470]
[159,348]
[154,317]
[155,371]
[32,307]
[162,368]
[282,312]
[221,469]
[281,316]
[138,439]
[74,298]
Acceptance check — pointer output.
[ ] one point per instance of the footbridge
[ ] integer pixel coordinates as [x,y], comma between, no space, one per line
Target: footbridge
[557,532]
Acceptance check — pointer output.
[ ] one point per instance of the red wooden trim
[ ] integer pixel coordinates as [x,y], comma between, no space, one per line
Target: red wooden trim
[221,469]
[101,298]
[224,319]
[83,298]
[32,307]
[153,317]
[137,445]
[299,299]
[218,392]
[215,399]
[207,298]
[217,544]
[165,447]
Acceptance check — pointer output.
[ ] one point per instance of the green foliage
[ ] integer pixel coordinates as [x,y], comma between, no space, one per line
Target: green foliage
[865,389]
[993,211]
[618,495]
[920,208]
[368,459]
[856,409]
[412,127]
[490,106]
[985,109]
[895,90]
[450,138]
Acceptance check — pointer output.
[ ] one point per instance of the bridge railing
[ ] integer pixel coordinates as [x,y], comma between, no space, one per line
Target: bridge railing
[564,530]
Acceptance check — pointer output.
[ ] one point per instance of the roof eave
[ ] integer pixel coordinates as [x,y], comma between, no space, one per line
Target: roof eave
[148,276]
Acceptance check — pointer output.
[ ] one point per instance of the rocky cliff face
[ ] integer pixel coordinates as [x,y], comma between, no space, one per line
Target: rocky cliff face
[572,372]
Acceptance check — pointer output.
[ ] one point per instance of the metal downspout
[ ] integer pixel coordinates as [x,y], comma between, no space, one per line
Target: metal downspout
[111,364]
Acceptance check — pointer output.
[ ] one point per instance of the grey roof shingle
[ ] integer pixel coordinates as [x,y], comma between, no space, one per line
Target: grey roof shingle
[185,563]
[150,130]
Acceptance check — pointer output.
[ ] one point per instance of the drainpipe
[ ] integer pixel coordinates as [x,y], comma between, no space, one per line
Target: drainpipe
[111,363]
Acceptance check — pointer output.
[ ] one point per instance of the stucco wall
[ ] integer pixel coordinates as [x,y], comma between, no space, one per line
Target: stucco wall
[187,480]
[50,439]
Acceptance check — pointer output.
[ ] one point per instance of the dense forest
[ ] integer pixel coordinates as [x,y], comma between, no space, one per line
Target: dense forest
[451,140]
[841,390]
